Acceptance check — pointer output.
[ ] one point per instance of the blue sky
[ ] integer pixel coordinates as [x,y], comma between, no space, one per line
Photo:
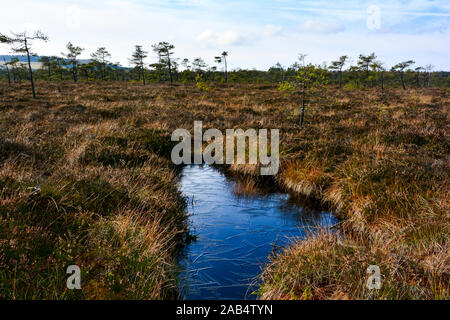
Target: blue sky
[257,34]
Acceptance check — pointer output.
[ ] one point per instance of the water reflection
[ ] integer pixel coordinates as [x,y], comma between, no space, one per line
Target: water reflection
[235,234]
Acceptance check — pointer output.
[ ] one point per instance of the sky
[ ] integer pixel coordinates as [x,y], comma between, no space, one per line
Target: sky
[256,33]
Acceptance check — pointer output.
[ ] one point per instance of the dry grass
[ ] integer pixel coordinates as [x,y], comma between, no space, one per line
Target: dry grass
[109,202]
[84,182]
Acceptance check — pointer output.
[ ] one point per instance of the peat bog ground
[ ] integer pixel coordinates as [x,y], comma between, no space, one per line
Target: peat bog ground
[86,178]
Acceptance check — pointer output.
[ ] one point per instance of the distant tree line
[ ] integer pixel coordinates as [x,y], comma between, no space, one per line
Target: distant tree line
[366,72]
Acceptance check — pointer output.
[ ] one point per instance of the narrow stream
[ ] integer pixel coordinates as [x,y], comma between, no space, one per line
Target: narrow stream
[235,234]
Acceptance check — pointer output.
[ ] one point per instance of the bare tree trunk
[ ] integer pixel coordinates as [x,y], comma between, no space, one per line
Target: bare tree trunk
[303,107]
[75,72]
[9,76]
[170,68]
[29,68]
[366,78]
[403,81]
[143,75]
[340,78]
[226,71]
[382,80]
[7,72]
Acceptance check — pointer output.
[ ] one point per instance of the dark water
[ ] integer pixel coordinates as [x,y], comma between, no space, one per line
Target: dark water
[235,234]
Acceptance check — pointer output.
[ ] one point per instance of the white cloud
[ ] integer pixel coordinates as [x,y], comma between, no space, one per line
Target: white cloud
[242,29]
[219,38]
[29,27]
[206,35]
[270,30]
[228,38]
[321,26]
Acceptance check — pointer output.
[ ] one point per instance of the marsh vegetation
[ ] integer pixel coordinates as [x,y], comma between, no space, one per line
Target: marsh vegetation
[86,179]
